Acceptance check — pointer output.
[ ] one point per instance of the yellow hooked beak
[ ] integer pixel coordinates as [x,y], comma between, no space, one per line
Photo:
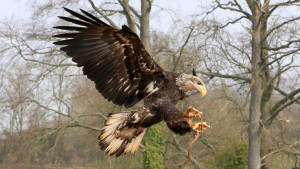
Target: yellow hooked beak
[201,89]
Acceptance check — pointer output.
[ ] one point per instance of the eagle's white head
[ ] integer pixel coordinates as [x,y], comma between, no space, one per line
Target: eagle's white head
[190,84]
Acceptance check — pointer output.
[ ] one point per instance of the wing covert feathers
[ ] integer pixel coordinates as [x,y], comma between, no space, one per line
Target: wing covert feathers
[115,60]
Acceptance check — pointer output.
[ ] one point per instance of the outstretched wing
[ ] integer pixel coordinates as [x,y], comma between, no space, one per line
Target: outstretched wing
[116,60]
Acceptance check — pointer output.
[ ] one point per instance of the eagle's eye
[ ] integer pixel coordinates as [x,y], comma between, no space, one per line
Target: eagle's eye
[199,83]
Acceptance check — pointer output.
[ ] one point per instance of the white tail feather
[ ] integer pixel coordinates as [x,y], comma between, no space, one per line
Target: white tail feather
[112,143]
[137,142]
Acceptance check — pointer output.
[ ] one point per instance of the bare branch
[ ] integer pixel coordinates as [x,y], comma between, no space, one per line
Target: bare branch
[282,46]
[234,77]
[280,25]
[266,5]
[284,93]
[47,108]
[231,22]
[287,3]
[281,57]
[182,48]
[232,59]
[282,104]
[239,10]
[273,7]
[240,50]
[134,12]
[102,14]
[130,20]
[20,52]
[78,124]
[277,151]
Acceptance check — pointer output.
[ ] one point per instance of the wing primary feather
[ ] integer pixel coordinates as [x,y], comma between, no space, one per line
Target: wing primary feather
[76,42]
[85,52]
[90,60]
[80,16]
[75,21]
[76,49]
[75,28]
[67,35]
[90,66]
[107,59]
[93,17]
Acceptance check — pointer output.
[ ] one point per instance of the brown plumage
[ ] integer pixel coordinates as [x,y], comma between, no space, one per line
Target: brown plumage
[125,73]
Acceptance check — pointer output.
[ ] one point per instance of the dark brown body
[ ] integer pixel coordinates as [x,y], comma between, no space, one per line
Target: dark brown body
[159,106]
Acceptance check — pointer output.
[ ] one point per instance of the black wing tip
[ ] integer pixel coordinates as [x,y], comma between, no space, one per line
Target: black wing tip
[56,43]
[83,11]
[56,27]
[93,17]
[56,36]
[67,9]
[62,17]
[71,11]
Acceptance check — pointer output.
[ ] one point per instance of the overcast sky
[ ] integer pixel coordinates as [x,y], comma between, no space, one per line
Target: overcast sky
[13,9]
[18,10]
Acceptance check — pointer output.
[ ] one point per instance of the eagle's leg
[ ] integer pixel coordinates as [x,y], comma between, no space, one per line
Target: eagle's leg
[187,113]
[197,127]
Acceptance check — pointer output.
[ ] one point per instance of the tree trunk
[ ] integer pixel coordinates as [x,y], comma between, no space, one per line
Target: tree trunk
[266,147]
[254,161]
[267,86]
[254,125]
[145,26]
[130,21]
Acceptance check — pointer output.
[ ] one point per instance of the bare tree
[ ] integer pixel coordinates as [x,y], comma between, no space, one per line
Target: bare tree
[274,51]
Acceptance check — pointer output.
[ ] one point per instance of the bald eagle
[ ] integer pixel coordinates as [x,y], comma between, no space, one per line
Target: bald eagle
[125,73]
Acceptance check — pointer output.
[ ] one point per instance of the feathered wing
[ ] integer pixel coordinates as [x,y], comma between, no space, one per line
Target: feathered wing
[115,60]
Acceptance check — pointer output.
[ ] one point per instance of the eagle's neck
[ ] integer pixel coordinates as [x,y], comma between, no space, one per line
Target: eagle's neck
[183,82]
[180,83]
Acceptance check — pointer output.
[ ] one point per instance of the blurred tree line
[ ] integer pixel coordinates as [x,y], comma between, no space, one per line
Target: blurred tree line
[246,51]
